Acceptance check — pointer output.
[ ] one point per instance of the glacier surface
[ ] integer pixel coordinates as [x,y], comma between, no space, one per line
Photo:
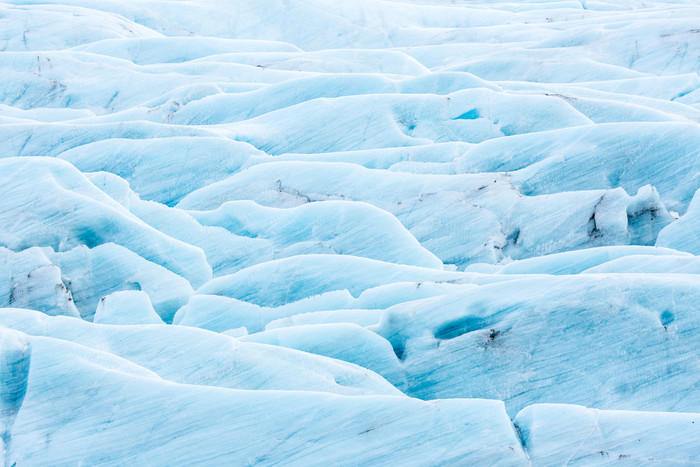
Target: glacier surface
[378,232]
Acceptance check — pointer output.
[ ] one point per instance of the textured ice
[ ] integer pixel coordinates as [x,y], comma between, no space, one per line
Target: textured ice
[343,341]
[126,307]
[461,218]
[276,283]
[574,435]
[193,356]
[317,232]
[31,279]
[684,234]
[81,214]
[215,425]
[520,341]
[191,163]
[574,262]
[221,313]
[339,227]
[92,273]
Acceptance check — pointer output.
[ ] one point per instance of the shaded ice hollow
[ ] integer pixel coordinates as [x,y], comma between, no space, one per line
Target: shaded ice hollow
[417,232]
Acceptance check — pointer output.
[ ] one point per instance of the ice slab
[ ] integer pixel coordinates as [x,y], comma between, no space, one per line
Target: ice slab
[684,234]
[344,341]
[231,425]
[556,434]
[291,279]
[521,341]
[81,214]
[30,279]
[341,227]
[463,218]
[92,273]
[126,307]
[163,169]
[194,356]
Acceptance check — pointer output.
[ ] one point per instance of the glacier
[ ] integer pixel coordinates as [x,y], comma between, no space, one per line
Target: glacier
[378,232]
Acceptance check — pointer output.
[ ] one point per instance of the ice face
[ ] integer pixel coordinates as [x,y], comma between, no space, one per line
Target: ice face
[81,214]
[521,340]
[126,307]
[683,234]
[556,434]
[197,423]
[316,232]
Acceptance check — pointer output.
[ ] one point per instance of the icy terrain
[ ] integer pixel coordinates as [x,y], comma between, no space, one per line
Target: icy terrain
[332,232]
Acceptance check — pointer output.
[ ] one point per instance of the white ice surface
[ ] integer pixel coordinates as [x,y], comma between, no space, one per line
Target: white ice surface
[318,232]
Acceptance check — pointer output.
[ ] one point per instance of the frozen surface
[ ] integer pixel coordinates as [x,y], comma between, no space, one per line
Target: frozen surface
[520,341]
[320,232]
[574,435]
[126,307]
[684,234]
[225,423]
[340,227]
[344,341]
[81,214]
[193,356]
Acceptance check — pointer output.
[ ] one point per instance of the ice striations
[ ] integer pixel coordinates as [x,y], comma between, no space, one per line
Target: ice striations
[320,232]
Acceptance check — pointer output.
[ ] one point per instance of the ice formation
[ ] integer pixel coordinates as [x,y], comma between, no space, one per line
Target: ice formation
[320,232]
